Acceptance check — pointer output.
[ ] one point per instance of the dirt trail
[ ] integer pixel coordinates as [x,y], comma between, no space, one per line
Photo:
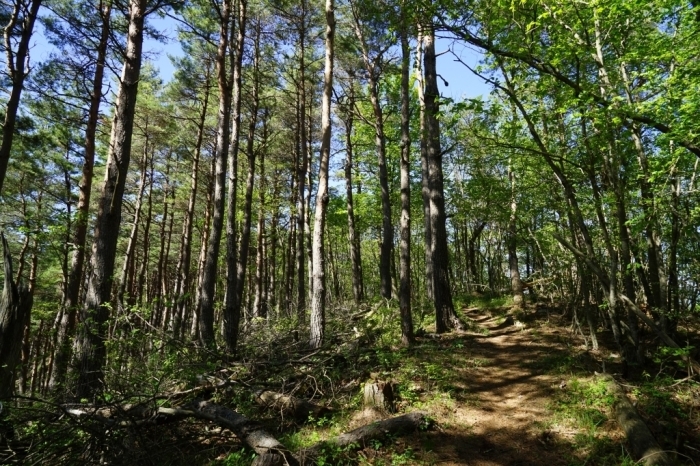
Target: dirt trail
[500,413]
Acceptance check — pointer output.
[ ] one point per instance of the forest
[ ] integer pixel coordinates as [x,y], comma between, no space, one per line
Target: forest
[301,250]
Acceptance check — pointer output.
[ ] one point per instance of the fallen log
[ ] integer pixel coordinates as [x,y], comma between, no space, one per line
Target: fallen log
[641,442]
[289,405]
[360,437]
[271,452]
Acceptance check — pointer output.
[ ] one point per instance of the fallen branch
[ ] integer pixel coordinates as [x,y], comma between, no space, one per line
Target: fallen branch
[642,444]
[360,437]
[290,405]
[271,452]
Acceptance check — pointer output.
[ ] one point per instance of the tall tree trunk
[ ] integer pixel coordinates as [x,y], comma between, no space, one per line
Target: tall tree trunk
[160,313]
[206,303]
[66,326]
[318,303]
[260,303]
[16,66]
[234,296]
[405,244]
[670,321]
[425,189]
[386,244]
[194,328]
[445,317]
[185,256]
[302,169]
[516,284]
[232,303]
[143,267]
[353,238]
[89,347]
[127,275]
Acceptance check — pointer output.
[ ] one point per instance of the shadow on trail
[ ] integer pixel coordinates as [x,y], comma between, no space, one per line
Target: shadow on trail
[503,383]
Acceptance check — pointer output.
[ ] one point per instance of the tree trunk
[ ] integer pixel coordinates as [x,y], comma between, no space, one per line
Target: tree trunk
[16,64]
[353,238]
[302,169]
[260,302]
[405,244]
[445,317]
[127,276]
[66,326]
[15,306]
[89,347]
[236,283]
[194,328]
[516,285]
[386,244]
[143,267]
[184,259]
[318,303]
[206,303]
[159,287]
[425,189]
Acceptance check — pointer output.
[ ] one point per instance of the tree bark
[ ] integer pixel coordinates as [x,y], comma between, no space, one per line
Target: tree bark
[445,317]
[206,303]
[66,326]
[89,347]
[386,245]
[194,328]
[260,301]
[185,256]
[318,302]
[302,169]
[127,276]
[234,296]
[16,66]
[15,306]
[405,243]
[353,239]
[425,189]
[516,284]
[642,443]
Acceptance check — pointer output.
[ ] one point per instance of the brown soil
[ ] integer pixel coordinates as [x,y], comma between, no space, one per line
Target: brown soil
[501,412]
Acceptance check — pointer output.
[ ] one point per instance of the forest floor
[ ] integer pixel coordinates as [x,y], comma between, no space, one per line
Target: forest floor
[516,388]
[521,390]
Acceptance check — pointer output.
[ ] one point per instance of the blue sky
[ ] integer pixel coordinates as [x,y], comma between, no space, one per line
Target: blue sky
[462,83]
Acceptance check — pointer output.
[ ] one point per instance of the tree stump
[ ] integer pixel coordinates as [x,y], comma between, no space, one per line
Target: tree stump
[379,394]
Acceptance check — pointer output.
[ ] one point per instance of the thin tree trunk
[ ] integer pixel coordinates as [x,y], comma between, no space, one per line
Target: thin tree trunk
[318,303]
[425,189]
[206,303]
[194,328]
[143,268]
[16,64]
[260,304]
[160,288]
[302,169]
[353,238]
[516,284]
[405,243]
[236,283]
[184,260]
[66,326]
[89,347]
[386,245]
[126,281]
